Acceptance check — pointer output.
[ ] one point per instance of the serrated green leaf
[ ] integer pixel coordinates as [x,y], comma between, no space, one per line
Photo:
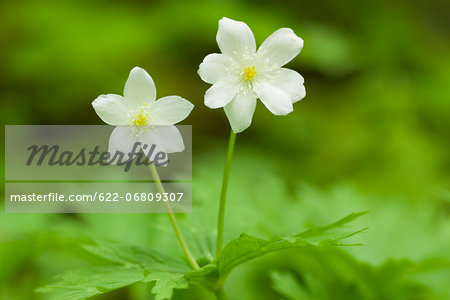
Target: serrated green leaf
[151,261]
[165,282]
[319,231]
[79,284]
[247,247]
[131,265]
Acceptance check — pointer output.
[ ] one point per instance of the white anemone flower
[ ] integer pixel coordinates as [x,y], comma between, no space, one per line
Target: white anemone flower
[140,118]
[241,74]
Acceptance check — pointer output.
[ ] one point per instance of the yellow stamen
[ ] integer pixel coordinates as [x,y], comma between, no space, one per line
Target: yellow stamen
[249,73]
[140,120]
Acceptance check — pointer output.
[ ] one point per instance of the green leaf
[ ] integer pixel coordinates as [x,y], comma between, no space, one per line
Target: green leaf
[247,247]
[165,282]
[319,231]
[206,276]
[131,265]
[79,284]
[151,261]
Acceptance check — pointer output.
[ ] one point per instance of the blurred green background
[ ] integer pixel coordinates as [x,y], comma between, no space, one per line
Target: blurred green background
[372,134]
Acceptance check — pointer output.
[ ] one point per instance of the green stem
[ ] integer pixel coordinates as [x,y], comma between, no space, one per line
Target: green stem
[223,193]
[173,220]
[220,295]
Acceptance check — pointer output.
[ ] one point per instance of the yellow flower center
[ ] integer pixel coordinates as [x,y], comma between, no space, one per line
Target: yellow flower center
[249,73]
[140,120]
[140,116]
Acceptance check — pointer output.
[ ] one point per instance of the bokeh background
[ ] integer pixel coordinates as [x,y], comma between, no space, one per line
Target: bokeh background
[372,134]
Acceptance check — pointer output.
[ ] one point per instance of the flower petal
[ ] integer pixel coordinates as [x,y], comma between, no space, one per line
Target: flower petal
[221,93]
[139,87]
[112,109]
[154,151]
[214,67]
[121,140]
[290,82]
[276,100]
[240,111]
[158,141]
[281,47]
[235,38]
[170,110]
[167,137]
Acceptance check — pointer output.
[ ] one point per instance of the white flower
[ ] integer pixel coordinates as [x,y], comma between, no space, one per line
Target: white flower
[241,74]
[140,118]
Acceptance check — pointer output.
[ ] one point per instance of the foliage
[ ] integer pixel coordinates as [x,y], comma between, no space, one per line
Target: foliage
[134,265]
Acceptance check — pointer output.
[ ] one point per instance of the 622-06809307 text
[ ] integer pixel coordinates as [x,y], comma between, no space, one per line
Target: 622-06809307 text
[102,197]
